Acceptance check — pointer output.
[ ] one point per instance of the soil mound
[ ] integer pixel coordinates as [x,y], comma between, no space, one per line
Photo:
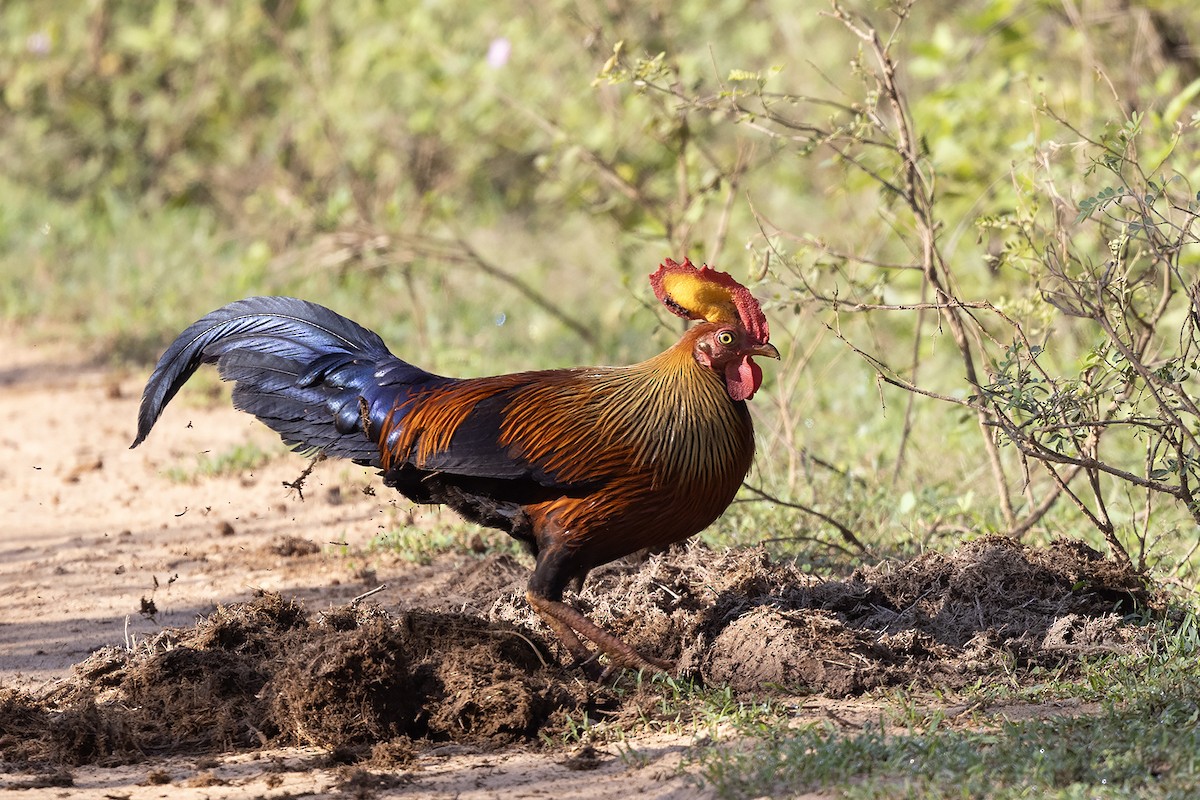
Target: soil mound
[737,619]
[269,672]
[359,676]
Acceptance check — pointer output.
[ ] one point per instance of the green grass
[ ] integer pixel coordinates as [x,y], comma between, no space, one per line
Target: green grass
[1139,735]
[1144,742]
[1132,752]
[421,543]
[241,459]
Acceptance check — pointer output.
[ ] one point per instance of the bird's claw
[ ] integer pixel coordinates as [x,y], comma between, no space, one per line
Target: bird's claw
[600,673]
[591,667]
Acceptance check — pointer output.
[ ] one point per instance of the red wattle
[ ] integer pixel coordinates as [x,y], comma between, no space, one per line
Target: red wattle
[742,378]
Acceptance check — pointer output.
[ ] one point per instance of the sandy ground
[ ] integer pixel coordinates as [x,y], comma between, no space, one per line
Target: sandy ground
[93,533]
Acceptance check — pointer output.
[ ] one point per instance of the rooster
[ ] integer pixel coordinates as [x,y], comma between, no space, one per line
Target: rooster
[583,466]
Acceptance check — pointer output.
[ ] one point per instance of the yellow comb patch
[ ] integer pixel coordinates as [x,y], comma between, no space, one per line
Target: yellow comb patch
[709,295]
[703,298]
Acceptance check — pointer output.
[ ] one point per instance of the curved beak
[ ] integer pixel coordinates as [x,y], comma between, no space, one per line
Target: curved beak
[769,350]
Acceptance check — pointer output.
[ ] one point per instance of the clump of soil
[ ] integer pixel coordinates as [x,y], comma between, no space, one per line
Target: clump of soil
[291,546]
[737,619]
[269,672]
[362,681]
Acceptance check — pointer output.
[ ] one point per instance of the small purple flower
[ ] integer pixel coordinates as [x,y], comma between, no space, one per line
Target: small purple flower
[38,44]
[498,52]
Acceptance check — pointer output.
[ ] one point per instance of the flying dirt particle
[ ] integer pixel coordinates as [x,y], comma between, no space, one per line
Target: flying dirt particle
[225,528]
[391,755]
[291,546]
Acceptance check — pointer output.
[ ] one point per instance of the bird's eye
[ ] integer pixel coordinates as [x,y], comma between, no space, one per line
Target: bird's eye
[725,338]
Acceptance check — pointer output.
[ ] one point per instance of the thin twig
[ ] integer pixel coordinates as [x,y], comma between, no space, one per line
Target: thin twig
[536,651]
[918,193]
[846,533]
[367,594]
[1039,451]
[298,483]
[1038,512]
[910,409]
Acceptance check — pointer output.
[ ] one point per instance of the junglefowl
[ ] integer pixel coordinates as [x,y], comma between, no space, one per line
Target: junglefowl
[583,466]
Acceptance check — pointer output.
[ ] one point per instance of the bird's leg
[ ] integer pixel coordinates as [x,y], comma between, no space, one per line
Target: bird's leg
[566,622]
[558,564]
[585,659]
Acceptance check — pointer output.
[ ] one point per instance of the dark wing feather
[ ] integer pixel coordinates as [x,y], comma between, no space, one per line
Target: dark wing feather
[302,369]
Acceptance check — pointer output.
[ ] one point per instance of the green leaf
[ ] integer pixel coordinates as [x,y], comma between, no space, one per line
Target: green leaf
[1180,102]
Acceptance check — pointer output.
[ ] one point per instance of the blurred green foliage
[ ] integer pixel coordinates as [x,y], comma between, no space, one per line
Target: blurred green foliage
[486,184]
[289,145]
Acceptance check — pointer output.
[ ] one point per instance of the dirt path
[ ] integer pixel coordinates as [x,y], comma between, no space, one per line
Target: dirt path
[92,534]
[91,529]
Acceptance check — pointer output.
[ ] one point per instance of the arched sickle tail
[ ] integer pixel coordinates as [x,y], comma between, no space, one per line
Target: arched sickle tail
[307,372]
